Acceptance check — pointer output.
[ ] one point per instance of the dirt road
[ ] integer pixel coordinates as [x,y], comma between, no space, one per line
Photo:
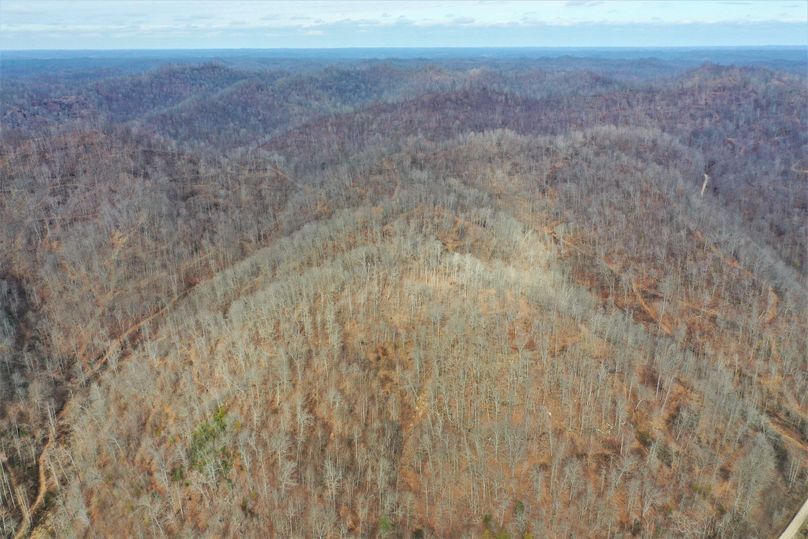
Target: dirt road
[801,518]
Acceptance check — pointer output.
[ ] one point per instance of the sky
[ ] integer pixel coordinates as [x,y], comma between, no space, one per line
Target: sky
[193,24]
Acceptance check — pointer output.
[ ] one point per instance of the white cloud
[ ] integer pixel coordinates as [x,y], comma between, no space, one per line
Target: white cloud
[170,17]
[49,13]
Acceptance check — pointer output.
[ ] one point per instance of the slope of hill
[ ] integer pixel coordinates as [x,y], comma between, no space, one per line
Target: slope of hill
[407,302]
[747,124]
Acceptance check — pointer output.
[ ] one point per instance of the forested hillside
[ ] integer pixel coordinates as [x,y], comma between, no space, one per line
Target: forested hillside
[460,298]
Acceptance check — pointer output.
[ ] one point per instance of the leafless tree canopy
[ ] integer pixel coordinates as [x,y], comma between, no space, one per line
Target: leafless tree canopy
[458,298]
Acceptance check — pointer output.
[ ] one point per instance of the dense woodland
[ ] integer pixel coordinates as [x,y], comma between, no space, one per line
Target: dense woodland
[460,297]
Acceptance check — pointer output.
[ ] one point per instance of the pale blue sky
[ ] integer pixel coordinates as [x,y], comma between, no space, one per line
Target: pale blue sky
[148,24]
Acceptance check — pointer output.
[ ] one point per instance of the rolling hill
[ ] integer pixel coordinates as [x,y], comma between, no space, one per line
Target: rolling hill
[411,298]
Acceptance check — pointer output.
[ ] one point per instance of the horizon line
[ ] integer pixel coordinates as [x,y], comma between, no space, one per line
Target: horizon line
[447,47]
